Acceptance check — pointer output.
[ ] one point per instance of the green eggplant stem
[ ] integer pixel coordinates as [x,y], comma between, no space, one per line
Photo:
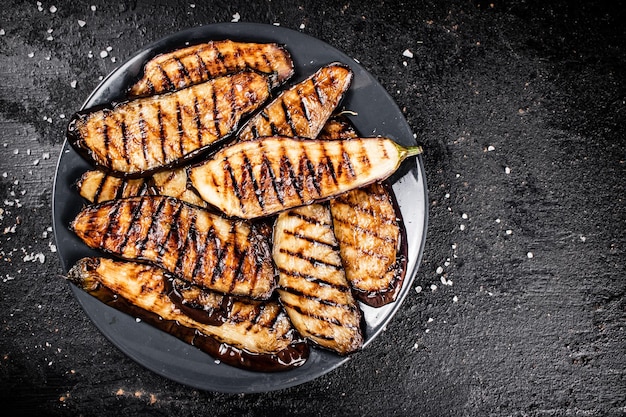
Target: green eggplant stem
[409,151]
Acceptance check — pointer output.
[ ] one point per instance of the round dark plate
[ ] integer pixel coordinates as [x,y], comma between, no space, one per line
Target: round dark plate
[377,114]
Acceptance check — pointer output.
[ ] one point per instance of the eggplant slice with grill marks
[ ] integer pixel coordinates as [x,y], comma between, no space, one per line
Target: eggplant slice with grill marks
[138,137]
[258,178]
[301,110]
[198,63]
[312,284]
[228,256]
[249,334]
[368,226]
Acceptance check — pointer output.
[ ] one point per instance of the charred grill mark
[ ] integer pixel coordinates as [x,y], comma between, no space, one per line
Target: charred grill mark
[311,240]
[150,86]
[266,169]
[305,109]
[288,119]
[172,234]
[202,69]
[237,273]
[314,280]
[216,114]
[313,261]
[346,164]
[198,120]
[181,130]
[308,313]
[99,188]
[141,122]
[141,244]
[161,130]
[286,170]
[275,130]
[190,237]
[199,248]
[308,219]
[318,93]
[105,136]
[165,79]
[218,254]
[125,141]
[233,179]
[247,166]
[388,220]
[134,224]
[182,70]
[120,188]
[113,224]
[323,301]
[313,175]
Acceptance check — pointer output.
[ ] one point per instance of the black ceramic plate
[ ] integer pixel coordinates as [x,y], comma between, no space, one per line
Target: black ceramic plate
[165,355]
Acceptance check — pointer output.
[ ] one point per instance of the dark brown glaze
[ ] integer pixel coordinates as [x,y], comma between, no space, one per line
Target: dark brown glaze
[223,255]
[138,137]
[198,63]
[97,186]
[301,110]
[87,275]
[312,284]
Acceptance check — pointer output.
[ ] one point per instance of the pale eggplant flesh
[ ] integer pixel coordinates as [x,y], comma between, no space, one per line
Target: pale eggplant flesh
[203,248]
[248,334]
[138,137]
[195,64]
[97,186]
[312,284]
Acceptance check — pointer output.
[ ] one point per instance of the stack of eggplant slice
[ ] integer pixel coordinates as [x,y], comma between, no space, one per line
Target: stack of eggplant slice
[243,216]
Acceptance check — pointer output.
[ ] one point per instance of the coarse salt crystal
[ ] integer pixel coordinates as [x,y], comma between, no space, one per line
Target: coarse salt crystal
[81,23]
[530,255]
[443,280]
[103,54]
[192,5]
[430,320]
[455,299]
[433,287]
[31,54]
[109,48]
[137,320]
[407,53]
[301,26]
[93,8]
[507,170]
[462,227]
[73,84]
[2,32]
[418,289]
[498,220]
[509,232]
[464,215]
[491,148]
[53,9]
[439,270]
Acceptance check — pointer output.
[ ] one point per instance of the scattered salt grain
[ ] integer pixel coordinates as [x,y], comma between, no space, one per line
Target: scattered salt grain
[583,238]
[36,162]
[507,170]
[455,299]
[462,227]
[301,26]
[418,289]
[192,5]
[407,53]
[498,220]
[464,215]
[491,148]
[443,280]
[137,320]
[39,6]
[73,84]
[447,195]
[276,24]
[404,63]
[31,54]
[50,38]
[433,287]
[236,17]
[2,32]
[530,255]
[81,23]
[93,8]
[103,54]
[430,320]
[53,9]
[509,232]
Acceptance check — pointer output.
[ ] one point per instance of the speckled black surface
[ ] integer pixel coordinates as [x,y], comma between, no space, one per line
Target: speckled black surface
[521,109]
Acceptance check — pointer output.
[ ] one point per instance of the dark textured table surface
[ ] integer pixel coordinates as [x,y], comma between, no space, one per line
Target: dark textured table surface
[518,308]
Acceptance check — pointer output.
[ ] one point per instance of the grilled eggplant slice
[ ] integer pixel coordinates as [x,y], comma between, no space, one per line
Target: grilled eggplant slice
[261,177]
[260,332]
[138,137]
[97,186]
[368,226]
[228,256]
[302,109]
[198,63]
[312,284]
[173,183]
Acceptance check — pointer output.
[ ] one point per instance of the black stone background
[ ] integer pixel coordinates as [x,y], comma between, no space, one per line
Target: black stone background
[537,87]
